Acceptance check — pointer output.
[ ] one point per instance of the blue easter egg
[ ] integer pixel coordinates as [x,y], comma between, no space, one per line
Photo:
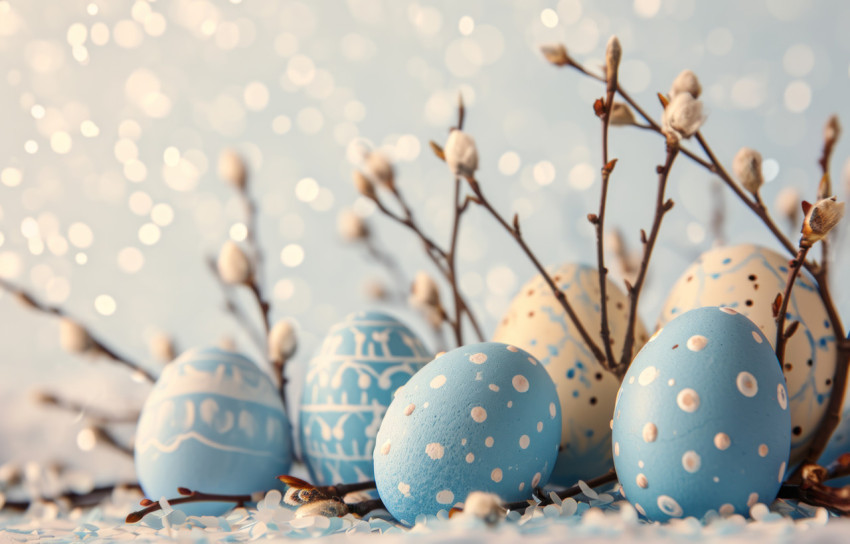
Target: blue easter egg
[214,422]
[481,417]
[702,419]
[349,384]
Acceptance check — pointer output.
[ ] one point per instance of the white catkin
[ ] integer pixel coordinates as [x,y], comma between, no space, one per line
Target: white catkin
[233,265]
[461,153]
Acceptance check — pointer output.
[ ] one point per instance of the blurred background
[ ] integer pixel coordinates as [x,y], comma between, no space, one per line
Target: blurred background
[115,114]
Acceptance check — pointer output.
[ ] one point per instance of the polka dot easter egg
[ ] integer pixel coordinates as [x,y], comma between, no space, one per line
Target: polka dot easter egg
[349,385]
[483,417]
[702,419]
[748,278]
[537,323]
[213,422]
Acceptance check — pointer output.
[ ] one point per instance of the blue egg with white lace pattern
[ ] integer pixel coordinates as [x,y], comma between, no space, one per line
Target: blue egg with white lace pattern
[214,422]
[348,386]
[702,420]
[482,417]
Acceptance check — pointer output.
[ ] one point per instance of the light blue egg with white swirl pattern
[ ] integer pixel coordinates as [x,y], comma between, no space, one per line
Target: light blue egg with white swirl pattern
[214,422]
[348,386]
[481,417]
[702,420]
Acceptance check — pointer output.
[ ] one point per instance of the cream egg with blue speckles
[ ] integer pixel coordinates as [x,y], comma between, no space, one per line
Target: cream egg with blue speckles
[485,417]
[537,323]
[711,430]
[746,278]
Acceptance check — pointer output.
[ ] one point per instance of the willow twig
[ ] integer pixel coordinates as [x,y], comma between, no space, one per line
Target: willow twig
[234,308]
[191,496]
[607,478]
[794,270]
[89,498]
[94,415]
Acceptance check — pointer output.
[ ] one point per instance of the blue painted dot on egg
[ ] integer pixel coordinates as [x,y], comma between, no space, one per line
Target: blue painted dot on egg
[480,417]
[706,427]
[213,422]
[362,362]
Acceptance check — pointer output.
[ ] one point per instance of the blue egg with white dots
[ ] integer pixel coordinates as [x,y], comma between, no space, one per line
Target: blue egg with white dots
[702,419]
[482,417]
[214,422]
[349,384]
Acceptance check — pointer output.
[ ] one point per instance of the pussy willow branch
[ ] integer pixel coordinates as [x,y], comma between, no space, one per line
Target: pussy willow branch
[607,478]
[90,498]
[793,272]
[514,231]
[106,437]
[234,308]
[94,415]
[451,258]
[189,496]
[661,208]
[99,346]
[829,142]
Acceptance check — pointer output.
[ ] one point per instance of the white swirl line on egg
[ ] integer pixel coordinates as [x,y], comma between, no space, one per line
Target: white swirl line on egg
[179,439]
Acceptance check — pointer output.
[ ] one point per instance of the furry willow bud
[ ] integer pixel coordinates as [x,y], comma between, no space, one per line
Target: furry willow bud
[682,117]
[747,168]
[461,154]
[363,185]
[329,508]
[685,82]
[378,167]
[282,340]
[820,219]
[233,265]
[613,54]
[161,347]
[621,115]
[73,337]
[485,506]
[231,168]
[424,291]
[351,226]
[556,54]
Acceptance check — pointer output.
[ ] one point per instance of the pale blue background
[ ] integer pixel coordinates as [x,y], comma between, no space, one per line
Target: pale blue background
[412,61]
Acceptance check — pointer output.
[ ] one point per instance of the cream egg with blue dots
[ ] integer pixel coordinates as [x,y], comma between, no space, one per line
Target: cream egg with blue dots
[537,323]
[747,278]
[706,424]
[483,417]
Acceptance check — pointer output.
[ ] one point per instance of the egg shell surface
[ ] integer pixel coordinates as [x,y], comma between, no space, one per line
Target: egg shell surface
[748,278]
[481,417]
[702,420]
[214,422]
[537,323]
[348,386]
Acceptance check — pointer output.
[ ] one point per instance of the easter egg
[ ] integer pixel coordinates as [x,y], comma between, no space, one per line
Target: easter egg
[839,444]
[702,421]
[349,384]
[748,278]
[537,323]
[482,417]
[214,422]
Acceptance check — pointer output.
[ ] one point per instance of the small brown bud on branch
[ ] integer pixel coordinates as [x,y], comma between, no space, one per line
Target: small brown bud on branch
[231,168]
[593,218]
[613,54]
[438,151]
[777,304]
[621,115]
[363,185]
[820,219]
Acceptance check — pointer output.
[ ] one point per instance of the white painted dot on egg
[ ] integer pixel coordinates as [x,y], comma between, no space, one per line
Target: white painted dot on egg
[478,376]
[727,310]
[489,441]
[479,414]
[512,348]
[722,441]
[445,497]
[496,475]
[478,358]
[781,471]
[539,426]
[716,479]
[726,509]
[552,410]
[688,400]
[763,450]
[697,342]
[521,486]
[536,479]
[494,388]
[757,337]
[691,461]
[640,509]
[385,449]
[782,396]
[404,489]
[648,375]
[438,381]
[435,450]
[532,360]
[617,449]
[753,499]
[524,441]
[747,384]
[510,404]
[520,383]
[470,457]
[641,481]
[409,409]
[650,432]
[669,506]
[463,441]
